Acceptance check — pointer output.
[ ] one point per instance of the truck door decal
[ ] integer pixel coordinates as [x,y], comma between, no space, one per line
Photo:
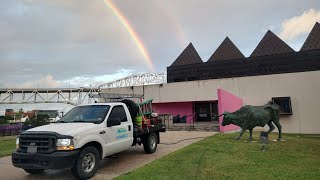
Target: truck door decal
[122,133]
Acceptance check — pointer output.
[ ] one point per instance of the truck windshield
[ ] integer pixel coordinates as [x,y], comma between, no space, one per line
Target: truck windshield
[87,114]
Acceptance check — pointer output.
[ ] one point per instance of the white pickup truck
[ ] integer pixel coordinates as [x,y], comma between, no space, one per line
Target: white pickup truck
[84,136]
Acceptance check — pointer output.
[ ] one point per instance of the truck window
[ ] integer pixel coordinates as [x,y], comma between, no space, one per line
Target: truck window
[89,113]
[118,112]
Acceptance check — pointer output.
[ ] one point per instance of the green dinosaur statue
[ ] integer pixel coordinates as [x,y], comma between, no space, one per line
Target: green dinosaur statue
[248,117]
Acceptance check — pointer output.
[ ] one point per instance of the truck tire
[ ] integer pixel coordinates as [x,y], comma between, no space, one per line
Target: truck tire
[150,143]
[34,171]
[133,108]
[87,163]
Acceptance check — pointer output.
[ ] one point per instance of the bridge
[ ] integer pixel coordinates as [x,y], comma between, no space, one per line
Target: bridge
[137,80]
[75,96]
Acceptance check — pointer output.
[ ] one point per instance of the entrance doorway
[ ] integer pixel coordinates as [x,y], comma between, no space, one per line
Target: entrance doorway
[204,111]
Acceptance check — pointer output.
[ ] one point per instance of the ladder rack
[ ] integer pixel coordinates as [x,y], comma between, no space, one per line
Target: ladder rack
[145,108]
[112,96]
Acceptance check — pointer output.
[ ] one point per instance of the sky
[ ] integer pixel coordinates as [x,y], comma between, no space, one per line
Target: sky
[77,43]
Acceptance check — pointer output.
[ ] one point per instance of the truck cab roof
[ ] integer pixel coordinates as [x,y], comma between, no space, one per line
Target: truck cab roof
[106,103]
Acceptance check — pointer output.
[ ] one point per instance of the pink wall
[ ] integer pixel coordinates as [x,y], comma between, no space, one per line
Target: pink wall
[175,108]
[227,102]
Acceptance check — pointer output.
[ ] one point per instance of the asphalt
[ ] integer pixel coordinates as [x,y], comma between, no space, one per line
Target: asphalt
[125,161]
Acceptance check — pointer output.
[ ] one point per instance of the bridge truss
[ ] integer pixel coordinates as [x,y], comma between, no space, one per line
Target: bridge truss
[63,95]
[137,80]
[75,96]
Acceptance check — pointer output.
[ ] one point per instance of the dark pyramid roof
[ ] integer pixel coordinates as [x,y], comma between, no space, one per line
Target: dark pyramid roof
[271,44]
[226,50]
[188,56]
[313,40]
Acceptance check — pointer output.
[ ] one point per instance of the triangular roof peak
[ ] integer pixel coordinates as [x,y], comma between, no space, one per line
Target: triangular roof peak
[188,56]
[271,44]
[313,39]
[226,50]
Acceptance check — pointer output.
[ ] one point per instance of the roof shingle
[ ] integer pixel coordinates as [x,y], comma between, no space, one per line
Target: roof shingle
[313,40]
[188,56]
[226,50]
[271,44]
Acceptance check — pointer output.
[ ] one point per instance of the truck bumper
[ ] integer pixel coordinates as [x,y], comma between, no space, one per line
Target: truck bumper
[55,160]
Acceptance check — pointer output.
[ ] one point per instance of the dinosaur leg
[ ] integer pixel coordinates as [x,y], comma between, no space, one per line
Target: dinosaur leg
[276,122]
[271,127]
[250,138]
[241,132]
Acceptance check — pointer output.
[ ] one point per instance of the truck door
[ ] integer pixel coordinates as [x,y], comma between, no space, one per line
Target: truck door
[119,137]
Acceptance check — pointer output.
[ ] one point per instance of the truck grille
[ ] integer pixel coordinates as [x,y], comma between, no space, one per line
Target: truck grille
[44,143]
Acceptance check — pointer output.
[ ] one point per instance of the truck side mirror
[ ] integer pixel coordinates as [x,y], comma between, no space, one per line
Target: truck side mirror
[113,122]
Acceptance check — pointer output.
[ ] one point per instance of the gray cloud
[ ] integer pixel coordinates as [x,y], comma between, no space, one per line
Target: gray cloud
[81,39]
[47,81]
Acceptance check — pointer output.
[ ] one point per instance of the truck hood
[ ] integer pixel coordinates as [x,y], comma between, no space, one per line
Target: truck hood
[66,128]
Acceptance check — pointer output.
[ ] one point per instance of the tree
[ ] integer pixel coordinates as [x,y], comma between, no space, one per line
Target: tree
[39,120]
[18,116]
[5,119]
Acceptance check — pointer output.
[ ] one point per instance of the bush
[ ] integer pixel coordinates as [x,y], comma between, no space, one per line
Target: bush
[5,119]
[41,119]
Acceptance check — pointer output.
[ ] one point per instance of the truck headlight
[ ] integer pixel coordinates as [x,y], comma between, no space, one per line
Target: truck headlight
[64,144]
[17,143]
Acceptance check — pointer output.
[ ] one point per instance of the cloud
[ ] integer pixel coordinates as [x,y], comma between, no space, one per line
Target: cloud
[65,39]
[45,82]
[85,81]
[299,25]
[79,81]
[84,39]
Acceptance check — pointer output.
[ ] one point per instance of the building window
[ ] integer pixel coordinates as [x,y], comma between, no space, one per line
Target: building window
[284,103]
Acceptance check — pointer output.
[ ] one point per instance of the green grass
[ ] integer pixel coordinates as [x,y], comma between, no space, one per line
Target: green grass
[221,157]
[7,145]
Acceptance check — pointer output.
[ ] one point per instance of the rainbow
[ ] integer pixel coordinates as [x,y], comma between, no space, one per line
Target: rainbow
[132,33]
[166,6]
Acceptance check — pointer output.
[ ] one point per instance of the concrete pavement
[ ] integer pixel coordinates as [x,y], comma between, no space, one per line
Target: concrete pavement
[109,168]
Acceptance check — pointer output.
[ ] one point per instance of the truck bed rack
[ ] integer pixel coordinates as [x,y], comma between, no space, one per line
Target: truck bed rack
[113,96]
[138,131]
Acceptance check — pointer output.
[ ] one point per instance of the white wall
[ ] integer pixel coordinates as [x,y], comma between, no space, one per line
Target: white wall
[303,88]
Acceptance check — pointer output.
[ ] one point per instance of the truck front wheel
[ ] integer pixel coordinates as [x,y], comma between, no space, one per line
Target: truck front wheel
[87,163]
[150,143]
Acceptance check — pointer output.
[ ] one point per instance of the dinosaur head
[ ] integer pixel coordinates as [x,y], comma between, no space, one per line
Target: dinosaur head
[226,119]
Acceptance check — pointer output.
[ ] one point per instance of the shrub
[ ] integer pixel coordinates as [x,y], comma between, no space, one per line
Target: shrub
[41,119]
[5,119]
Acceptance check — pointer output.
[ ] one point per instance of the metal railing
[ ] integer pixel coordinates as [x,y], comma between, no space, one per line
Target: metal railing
[10,132]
